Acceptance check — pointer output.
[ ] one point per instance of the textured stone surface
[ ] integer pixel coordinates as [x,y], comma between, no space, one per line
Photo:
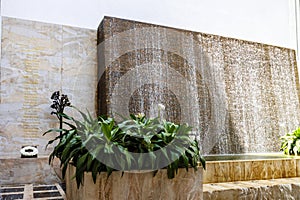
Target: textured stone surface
[243,170]
[137,186]
[38,59]
[239,96]
[285,189]
[27,170]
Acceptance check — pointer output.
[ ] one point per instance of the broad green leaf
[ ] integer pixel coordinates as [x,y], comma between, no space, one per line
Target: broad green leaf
[138,135]
[202,161]
[95,170]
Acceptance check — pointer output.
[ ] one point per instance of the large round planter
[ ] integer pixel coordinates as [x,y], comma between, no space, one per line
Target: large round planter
[137,186]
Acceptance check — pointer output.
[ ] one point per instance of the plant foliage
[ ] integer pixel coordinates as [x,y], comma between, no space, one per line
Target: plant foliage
[101,145]
[290,143]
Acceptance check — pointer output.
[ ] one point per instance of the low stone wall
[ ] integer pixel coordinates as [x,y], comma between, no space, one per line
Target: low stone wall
[137,186]
[27,170]
[245,170]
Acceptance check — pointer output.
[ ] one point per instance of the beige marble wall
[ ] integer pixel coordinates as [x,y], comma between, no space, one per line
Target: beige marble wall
[36,60]
[137,186]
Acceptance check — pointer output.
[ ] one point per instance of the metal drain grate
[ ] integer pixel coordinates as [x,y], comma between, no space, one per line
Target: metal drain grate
[30,191]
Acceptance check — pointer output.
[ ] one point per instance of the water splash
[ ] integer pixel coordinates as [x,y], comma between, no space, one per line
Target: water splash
[236,94]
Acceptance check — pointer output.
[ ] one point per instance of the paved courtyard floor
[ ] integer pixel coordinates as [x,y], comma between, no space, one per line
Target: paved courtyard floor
[35,192]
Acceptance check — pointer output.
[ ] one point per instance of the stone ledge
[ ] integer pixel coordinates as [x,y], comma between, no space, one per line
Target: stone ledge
[284,188]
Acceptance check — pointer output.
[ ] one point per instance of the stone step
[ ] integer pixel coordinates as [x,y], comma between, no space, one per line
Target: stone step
[284,188]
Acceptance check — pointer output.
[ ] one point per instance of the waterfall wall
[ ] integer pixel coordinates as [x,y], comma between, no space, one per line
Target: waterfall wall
[239,96]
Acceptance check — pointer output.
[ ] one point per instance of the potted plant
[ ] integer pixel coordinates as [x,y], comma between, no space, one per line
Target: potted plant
[95,145]
[290,143]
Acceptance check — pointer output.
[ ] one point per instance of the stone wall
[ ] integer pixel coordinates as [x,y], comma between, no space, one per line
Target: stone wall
[38,59]
[16,171]
[239,96]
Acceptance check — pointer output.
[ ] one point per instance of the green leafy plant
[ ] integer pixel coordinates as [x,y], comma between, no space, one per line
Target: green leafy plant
[290,143]
[101,145]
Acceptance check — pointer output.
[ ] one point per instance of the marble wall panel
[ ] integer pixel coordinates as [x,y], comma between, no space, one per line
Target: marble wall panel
[237,169]
[30,71]
[298,168]
[79,75]
[36,60]
[289,168]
